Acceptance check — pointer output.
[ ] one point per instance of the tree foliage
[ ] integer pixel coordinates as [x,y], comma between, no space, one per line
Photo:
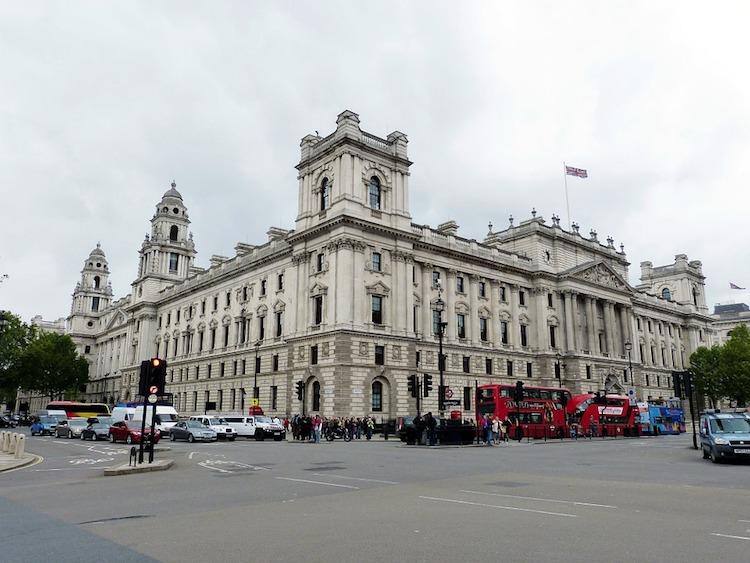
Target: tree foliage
[15,337]
[723,371]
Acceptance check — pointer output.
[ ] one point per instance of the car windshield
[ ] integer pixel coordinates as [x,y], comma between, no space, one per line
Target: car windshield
[262,420]
[79,422]
[730,425]
[194,424]
[48,420]
[105,419]
[166,417]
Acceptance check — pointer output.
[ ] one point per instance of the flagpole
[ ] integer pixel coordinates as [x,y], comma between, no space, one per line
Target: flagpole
[567,201]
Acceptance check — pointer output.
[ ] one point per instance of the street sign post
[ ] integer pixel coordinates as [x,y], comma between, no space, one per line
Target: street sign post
[152,399]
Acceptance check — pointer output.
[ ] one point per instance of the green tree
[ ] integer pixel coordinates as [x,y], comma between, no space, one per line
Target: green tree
[15,337]
[706,367]
[735,365]
[52,366]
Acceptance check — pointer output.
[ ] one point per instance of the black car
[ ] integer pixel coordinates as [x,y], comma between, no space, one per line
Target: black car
[95,431]
[7,422]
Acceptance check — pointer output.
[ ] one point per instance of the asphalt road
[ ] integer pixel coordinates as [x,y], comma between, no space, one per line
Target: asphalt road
[651,499]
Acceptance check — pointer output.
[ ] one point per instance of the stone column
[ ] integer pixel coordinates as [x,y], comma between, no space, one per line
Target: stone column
[426,306]
[569,333]
[591,325]
[450,305]
[407,287]
[474,313]
[358,286]
[624,330]
[667,345]
[329,301]
[577,338]
[540,302]
[513,330]
[608,325]
[494,328]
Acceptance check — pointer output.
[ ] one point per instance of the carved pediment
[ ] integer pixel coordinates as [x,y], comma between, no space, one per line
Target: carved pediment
[601,274]
[378,288]
[118,318]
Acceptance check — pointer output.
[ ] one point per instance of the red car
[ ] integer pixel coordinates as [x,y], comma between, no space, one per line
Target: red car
[130,433]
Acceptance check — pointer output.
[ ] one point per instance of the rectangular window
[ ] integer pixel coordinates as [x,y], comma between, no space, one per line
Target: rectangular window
[244,367]
[226,336]
[418,358]
[216,302]
[483,329]
[374,196]
[647,380]
[174,260]
[234,367]
[213,338]
[588,372]
[178,316]
[313,355]
[557,370]
[435,279]
[280,281]
[460,284]
[197,373]
[160,321]
[503,296]
[279,323]
[601,343]
[552,340]
[377,309]
[658,381]
[87,350]
[660,328]
[524,341]
[244,293]
[461,325]
[414,318]
[379,355]
[376,262]
[203,307]
[467,364]
[221,369]
[94,303]
[549,300]
[228,298]
[467,398]
[263,285]
[653,355]
[436,318]
[504,332]
[319,263]
[200,341]
[275,362]
[257,364]
[522,297]
[529,369]
[625,375]
[274,397]
[208,372]
[233,394]
[318,309]
[509,368]
[220,400]
[169,318]
[488,366]
[638,322]
[261,328]
[195,400]
[482,289]
[649,326]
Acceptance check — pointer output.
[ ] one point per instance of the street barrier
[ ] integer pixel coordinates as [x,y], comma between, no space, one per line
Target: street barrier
[5,440]
[20,446]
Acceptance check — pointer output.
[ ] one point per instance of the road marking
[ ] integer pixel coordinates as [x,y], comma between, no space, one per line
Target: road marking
[728,536]
[514,508]
[214,468]
[191,454]
[318,483]
[355,478]
[743,521]
[576,503]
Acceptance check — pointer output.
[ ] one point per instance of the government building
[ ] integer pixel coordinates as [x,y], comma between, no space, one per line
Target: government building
[350,302]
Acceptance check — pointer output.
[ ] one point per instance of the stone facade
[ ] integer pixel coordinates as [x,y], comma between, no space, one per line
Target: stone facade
[726,317]
[346,301]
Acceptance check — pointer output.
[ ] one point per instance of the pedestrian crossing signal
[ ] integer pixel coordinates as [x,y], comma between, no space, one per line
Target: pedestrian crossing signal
[300,390]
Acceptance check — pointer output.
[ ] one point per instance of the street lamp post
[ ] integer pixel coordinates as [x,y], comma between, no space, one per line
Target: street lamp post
[256,368]
[628,348]
[440,307]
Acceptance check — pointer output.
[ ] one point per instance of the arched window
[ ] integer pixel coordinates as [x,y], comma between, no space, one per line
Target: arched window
[97,281]
[666,294]
[316,396]
[695,297]
[325,195]
[377,396]
[173,232]
[374,193]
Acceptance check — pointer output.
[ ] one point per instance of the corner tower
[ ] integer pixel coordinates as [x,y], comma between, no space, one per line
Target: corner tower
[91,295]
[352,172]
[682,282]
[168,254]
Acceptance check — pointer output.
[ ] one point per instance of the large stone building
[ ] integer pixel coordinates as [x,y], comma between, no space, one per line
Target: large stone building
[347,302]
[726,317]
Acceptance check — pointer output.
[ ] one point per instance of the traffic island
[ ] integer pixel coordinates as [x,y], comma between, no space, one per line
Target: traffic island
[125,469]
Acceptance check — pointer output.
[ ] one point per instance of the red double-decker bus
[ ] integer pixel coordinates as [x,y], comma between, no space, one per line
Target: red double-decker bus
[608,415]
[541,413]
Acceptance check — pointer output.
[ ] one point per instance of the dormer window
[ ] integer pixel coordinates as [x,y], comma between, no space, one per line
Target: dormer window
[374,193]
[173,232]
[325,195]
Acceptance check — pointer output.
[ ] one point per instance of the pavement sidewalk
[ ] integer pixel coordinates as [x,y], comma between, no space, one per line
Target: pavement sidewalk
[9,462]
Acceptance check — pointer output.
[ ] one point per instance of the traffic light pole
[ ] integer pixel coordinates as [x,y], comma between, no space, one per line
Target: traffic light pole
[143,430]
[419,395]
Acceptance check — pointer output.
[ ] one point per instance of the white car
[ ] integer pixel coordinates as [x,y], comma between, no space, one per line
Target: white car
[259,427]
[218,425]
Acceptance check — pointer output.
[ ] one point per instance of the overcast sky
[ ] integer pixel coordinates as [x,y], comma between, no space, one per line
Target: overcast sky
[102,104]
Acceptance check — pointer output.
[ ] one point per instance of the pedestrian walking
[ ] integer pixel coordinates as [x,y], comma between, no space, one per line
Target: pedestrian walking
[495,430]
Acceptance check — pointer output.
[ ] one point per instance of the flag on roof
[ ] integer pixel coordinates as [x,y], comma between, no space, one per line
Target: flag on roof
[580,172]
[734,286]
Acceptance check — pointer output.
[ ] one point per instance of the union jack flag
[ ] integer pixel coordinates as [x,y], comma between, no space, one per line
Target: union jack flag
[580,172]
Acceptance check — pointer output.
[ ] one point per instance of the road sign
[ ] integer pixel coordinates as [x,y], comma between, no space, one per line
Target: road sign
[254,402]
[153,389]
[152,399]
[452,403]
[448,393]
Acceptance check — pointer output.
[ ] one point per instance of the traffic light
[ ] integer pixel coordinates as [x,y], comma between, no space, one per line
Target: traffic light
[153,374]
[413,385]
[300,390]
[427,384]
[519,391]
[677,384]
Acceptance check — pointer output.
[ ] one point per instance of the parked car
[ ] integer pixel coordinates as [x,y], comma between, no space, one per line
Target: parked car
[724,436]
[219,425]
[259,427]
[71,428]
[44,425]
[191,431]
[130,433]
[7,422]
[95,431]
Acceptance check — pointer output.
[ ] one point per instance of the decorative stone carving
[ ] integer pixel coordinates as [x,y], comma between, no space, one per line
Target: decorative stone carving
[325,349]
[602,275]
[396,352]
[301,353]
[364,349]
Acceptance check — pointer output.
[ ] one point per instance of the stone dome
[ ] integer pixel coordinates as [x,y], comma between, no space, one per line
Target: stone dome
[172,192]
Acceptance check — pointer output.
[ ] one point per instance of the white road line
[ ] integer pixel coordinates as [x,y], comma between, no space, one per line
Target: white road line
[732,537]
[514,508]
[576,503]
[214,468]
[355,478]
[743,521]
[318,483]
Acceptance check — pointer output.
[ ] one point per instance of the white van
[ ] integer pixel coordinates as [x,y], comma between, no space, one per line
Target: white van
[166,417]
[123,413]
[259,426]
[218,425]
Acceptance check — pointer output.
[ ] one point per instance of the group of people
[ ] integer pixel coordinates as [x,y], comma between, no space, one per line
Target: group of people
[494,430]
[312,429]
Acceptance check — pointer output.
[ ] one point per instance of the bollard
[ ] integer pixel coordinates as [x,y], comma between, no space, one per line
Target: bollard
[20,446]
[12,444]
[2,440]
[5,441]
